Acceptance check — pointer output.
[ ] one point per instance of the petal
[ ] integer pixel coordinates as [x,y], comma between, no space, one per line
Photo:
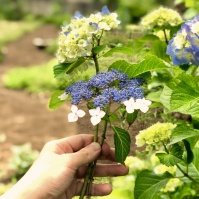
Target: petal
[97,110]
[129,109]
[93,112]
[126,103]
[147,102]
[101,114]
[95,120]
[144,108]
[63,96]
[74,108]
[72,117]
[80,113]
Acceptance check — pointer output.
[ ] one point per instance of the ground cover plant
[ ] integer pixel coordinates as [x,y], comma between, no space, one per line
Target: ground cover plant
[166,75]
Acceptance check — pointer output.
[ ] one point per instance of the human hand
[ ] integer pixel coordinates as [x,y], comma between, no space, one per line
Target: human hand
[61,164]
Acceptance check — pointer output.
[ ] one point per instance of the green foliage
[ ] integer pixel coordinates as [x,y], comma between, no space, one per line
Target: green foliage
[147,184]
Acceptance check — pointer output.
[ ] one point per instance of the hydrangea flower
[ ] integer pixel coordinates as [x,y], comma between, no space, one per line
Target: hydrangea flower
[63,96]
[184,47]
[76,38]
[156,133]
[162,17]
[75,113]
[96,115]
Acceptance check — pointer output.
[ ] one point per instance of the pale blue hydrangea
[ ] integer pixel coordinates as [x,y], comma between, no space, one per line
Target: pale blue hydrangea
[184,47]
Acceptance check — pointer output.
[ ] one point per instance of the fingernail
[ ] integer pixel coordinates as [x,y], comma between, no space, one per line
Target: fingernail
[96,146]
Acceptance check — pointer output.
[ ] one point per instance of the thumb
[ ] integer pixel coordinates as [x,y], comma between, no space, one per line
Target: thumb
[86,155]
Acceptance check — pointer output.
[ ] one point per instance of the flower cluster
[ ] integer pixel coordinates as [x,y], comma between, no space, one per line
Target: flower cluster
[77,38]
[184,47]
[156,133]
[103,88]
[162,17]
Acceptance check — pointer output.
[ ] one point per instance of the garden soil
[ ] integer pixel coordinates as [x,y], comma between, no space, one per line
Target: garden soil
[25,117]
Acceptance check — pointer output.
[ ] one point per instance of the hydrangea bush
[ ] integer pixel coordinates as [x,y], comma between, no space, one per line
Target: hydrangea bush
[165,74]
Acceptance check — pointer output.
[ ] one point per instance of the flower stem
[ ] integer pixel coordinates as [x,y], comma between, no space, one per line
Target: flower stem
[165,36]
[96,62]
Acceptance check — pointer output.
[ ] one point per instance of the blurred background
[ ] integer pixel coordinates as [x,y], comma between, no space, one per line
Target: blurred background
[29,31]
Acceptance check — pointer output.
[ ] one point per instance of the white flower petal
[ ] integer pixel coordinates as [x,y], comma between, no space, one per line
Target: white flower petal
[80,113]
[95,120]
[93,112]
[101,114]
[144,108]
[129,109]
[126,103]
[72,117]
[74,108]
[147,102]
[63,96]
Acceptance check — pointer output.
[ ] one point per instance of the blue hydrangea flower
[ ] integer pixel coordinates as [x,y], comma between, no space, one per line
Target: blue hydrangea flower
[184,47]
[105,10]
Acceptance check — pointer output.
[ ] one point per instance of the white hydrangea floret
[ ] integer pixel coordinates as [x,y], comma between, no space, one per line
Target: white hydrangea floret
[130,105]
[63,96]
[96,115]
[75,114]
[142,104]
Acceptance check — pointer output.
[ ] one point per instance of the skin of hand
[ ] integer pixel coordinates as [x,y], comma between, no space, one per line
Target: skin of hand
[57,172]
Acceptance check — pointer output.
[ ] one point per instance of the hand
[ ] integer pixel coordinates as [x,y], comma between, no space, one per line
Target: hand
[61,164]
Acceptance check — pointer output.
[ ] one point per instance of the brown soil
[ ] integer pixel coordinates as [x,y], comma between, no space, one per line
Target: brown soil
[25,117]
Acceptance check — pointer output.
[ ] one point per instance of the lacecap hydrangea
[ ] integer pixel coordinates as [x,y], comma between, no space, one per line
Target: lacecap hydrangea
[76,39]
[103,89]
[159,132]
[162,17]
[184,47]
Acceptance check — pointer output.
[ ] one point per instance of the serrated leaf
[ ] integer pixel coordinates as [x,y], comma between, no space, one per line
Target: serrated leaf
[185,96]
[122,49]
[114,118]
[55,102]
[183,131]
[98,49]
[131,117]
[148,184]
[150,63]
[122,143]
[65,68]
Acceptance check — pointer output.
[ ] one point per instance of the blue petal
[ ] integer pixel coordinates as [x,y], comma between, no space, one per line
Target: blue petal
[78,15]
[105,11]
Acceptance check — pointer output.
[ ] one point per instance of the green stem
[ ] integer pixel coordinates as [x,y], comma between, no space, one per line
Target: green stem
[96,62]
[165,36]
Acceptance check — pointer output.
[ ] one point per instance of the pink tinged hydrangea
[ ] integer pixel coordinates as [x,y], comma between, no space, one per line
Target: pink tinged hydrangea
[75,114]
[96,115]
[130,105]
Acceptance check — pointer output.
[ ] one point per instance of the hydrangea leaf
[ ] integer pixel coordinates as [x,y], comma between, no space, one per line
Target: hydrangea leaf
[175,156]
[183,131]
[149,63]
[55,102]
[189,155]
[98,49]
[122,143]
[131,117]
[65,68]
[122,49]
[148,184]
[185,96]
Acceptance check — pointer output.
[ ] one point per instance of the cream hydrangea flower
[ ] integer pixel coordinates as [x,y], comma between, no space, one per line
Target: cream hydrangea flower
[76,39]
[156,133]
[161,17]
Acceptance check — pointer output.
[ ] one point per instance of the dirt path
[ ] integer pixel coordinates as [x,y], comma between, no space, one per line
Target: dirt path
[25,117]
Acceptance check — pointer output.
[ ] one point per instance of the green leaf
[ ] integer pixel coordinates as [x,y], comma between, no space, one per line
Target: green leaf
[159,48]
[148,184]
[122,49]
[98,49]
[185,96]
[154,96]
[131,117]
[150,63]
[65,68]
[183,131]
[55,102]
[175,156]
[122,143]
[189,155]
[114,118]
